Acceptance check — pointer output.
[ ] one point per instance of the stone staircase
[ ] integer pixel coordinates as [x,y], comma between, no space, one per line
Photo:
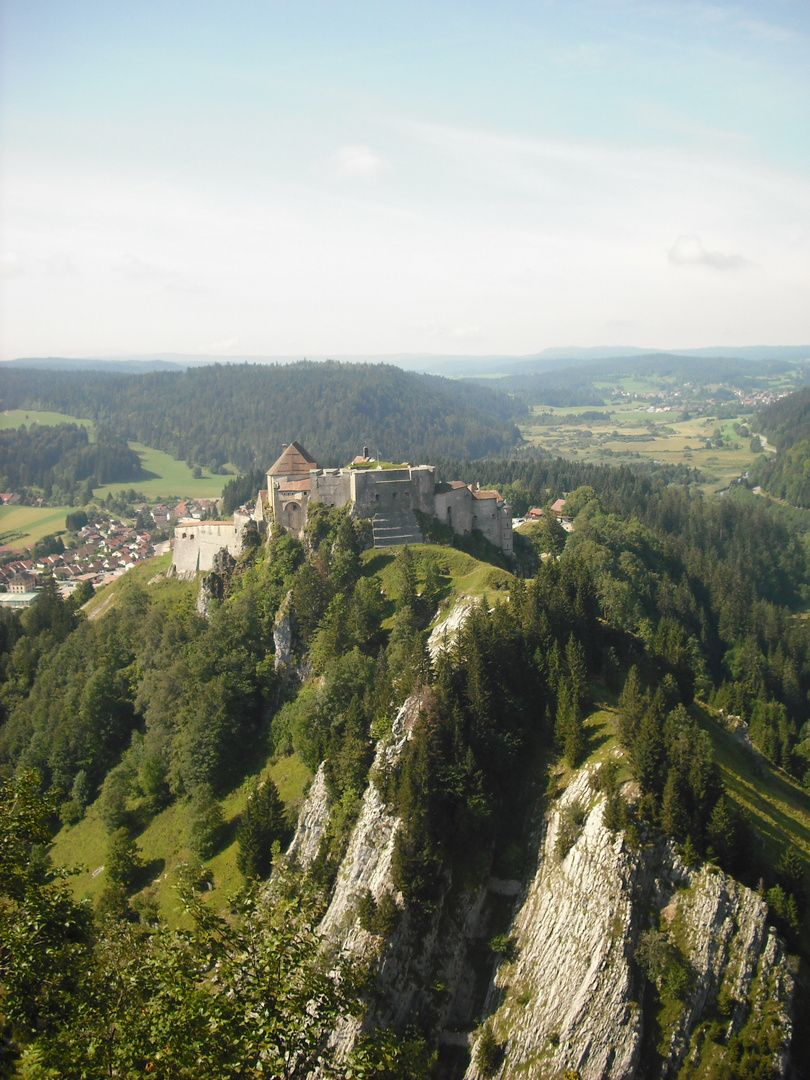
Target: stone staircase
[396,527]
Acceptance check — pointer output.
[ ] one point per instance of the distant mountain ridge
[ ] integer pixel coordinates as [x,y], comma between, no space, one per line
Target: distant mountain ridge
[549,359]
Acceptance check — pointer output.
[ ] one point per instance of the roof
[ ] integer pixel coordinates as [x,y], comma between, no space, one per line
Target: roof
[479,493]
[558,505]
[294,485]
[294,461]
[449,485]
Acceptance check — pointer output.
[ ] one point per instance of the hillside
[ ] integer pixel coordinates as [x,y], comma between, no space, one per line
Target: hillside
[786,424]
[217,414]
[558,821]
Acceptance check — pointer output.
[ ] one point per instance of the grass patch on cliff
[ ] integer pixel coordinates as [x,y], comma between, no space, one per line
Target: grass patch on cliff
[460,574]
[163,844]
[150,575]
[778,807]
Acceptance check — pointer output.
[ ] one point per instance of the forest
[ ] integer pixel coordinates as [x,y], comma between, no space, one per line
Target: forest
[660,600]
[588,383]
[219,414]
[787,425]
[62,462]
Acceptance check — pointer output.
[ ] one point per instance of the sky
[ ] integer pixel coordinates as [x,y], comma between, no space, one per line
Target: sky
[330,178]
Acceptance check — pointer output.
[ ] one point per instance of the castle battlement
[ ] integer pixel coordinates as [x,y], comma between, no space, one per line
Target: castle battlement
[389,496]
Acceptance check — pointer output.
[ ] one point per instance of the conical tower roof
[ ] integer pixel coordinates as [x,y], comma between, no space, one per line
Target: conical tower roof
[294,461]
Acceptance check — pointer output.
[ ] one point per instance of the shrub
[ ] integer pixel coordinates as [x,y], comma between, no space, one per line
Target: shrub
[572,818]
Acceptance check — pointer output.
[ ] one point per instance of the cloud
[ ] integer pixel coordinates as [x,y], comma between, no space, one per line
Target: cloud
[689,250]
[360,162]
[134,269]
[60,264]
[223,346]
[10,264]
[434,330]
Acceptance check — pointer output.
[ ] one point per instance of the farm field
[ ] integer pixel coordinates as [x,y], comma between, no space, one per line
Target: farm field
[22,526]
[169,478]
[632,434]
[14,418]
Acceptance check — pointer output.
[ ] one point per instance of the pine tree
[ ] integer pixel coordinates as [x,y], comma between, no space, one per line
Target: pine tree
[263,822]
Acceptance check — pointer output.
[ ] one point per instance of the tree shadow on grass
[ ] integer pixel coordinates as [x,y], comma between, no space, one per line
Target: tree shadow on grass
[148,873]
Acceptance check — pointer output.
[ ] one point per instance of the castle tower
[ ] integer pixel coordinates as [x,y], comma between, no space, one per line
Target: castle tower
[288,486]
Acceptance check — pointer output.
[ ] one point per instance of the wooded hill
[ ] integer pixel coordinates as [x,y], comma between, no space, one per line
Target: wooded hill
[242,414]
[574,383]
[61,461]
[661,606]
[786,424]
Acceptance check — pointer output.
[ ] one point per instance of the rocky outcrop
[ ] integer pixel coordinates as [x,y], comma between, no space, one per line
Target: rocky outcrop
[575,998]
[287,644]
[214,585]
[312,820]
[570,991]
[443,635]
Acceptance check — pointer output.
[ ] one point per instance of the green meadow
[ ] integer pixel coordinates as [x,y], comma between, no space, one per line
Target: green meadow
[14,418]
[167,479]
[22,526]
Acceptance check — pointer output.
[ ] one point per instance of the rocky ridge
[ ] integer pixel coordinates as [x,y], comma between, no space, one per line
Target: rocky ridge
[569,992]
[575,998]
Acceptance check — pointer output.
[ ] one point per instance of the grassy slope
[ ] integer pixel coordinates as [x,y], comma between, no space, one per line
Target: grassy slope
[460,574]
[163,845]
[14,418]
[163,842]
[22,526]
[150,573]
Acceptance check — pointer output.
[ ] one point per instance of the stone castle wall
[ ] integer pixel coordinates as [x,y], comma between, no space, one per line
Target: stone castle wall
[391,494]
[197,542]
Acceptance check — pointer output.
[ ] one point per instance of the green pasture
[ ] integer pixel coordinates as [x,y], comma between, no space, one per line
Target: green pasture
[460,574]
[634,434]
[14,418]
[169,479]
[163,847]
[22,526]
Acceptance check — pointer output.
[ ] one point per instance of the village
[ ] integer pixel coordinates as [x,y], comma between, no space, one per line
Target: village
[97,553]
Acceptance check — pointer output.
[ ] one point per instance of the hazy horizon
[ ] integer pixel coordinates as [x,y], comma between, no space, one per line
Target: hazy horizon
[402,180]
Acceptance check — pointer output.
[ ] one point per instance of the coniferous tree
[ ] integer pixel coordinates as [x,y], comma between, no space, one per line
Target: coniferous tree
[263,823]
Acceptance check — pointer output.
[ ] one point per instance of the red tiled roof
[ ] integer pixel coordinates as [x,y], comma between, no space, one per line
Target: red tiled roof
[480,493]
[294,461]
[295,485]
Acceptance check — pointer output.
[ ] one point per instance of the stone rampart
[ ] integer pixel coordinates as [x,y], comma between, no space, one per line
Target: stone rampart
[197,542]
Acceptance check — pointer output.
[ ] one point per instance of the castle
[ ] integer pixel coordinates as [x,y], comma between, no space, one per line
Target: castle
[390,496]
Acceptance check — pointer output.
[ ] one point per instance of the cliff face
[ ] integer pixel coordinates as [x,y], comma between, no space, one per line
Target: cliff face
[575,995]
[621,962]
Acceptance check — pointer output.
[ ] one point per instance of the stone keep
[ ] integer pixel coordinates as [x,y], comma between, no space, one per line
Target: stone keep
[389,497]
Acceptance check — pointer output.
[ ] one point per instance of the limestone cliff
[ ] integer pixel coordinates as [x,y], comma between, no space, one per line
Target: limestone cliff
[575,996]
[572,993]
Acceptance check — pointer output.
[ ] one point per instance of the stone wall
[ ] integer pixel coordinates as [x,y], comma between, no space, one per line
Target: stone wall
[494,521]
[197,542]
[331,486]
[375,491]
[453,507]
